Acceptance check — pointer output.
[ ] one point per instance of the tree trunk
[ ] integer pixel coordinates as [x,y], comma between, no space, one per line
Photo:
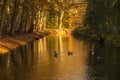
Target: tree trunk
[15,16]
[41,20]
[22,23]
[3,14]
[27,22]
[60,18]
[31,26]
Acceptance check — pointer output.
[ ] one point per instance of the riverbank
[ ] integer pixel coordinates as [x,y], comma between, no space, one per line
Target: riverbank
[108,39]
[8,43]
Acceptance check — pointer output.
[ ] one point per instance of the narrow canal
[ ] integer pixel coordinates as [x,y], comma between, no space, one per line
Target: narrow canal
[37,61]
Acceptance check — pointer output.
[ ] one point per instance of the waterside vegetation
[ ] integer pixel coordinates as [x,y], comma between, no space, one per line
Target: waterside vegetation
[101,22]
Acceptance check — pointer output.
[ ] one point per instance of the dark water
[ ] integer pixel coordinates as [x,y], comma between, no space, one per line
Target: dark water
[36,61]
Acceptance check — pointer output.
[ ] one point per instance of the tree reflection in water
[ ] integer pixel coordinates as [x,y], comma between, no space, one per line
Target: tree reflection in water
[36,61]
[21,56]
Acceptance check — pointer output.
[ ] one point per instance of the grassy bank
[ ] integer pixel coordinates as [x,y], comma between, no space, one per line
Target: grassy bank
[8,43]
[110,39]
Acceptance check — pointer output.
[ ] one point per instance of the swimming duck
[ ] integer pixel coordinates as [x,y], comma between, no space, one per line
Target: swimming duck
[70,53]
[99,58]
[55,54]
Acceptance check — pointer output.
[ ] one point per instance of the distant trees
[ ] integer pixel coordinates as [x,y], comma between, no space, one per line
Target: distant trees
[24,16]
[19,16]
[15,16]
[103,15]
[59,10]
[102,20]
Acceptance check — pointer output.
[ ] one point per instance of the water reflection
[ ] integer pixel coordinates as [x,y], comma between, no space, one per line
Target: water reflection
[36,61]
[21,56]
[65,67]
[104,64]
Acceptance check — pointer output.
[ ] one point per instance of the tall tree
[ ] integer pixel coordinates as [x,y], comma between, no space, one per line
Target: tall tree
[4,5]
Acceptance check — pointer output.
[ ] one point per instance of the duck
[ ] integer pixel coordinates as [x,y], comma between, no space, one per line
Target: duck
[92,52]
[55,54]
[70,53]
[99,58]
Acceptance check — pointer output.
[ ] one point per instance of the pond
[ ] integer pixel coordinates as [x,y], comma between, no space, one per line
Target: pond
[37,61]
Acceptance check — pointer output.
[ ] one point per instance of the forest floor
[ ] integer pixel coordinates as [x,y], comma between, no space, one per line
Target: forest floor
[8,43]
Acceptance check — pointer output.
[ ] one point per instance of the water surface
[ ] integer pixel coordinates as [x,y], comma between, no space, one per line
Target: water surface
[36,61]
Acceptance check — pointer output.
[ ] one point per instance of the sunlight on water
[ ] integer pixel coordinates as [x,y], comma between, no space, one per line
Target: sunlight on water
[37,61]
[63,67]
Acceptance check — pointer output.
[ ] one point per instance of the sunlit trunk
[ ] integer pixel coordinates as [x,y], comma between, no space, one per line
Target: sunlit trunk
[37,21]
[41,20]
[32,25]
[60,22]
